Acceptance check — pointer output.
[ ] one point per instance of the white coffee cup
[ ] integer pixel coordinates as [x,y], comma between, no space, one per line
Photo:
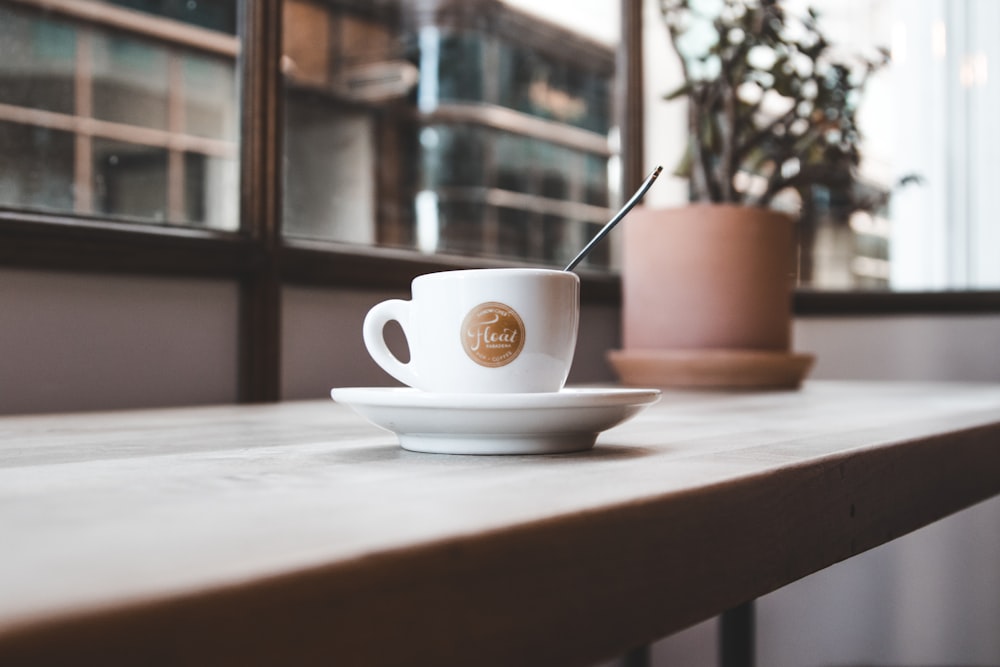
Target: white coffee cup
[482,331]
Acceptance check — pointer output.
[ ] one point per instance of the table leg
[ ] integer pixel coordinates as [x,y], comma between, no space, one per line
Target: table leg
[736,636]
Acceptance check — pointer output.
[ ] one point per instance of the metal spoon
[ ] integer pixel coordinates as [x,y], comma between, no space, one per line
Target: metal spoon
[615,220]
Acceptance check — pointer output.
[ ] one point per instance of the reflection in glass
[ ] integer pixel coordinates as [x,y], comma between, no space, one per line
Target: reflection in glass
[130,180]
[209,97]
[444,131]
[453,156]
[210,185]
[141,124]
[130,81]
[329,185]
[36,167]
[534,83]
[459,57]
[37,62]
[217,15]
[931,113]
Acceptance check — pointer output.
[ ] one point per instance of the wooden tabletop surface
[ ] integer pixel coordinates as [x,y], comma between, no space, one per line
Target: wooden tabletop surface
[297,533]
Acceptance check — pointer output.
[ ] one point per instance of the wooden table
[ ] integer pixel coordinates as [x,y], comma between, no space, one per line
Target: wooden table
[298,534]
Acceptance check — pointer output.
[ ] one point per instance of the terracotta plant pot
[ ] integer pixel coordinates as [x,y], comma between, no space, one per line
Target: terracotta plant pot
[707,276]
[706,289]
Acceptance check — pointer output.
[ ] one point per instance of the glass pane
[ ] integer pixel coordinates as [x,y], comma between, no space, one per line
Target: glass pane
[209,97]
[329,186]
[129,81]
[209,186]
[130,180]
[460,64]
[534,83]
[140,124]
[463,227]
[453,156]
[36,45]
[479,129]
[929,113]
[36,167]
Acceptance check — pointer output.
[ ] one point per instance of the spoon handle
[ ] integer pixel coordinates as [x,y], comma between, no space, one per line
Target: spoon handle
[615,220]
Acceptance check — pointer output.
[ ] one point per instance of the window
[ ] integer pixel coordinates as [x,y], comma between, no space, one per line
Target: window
[476,129]
[113,113]
[304,141]
[929,113]
[473,132]
[350,142]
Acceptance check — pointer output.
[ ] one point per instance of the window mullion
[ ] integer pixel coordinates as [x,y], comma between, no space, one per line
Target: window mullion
[260,199]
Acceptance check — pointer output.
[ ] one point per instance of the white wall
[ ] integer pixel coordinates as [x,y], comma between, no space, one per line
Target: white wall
[913,347]
[321,344]
[82,341]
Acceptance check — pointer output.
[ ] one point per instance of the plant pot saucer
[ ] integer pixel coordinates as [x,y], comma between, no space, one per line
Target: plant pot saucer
[711,369]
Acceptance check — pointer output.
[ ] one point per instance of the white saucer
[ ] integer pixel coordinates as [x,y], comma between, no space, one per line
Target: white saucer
[550,423]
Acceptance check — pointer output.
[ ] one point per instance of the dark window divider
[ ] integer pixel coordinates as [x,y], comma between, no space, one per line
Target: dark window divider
[53,242]
[56,242]
[630,98]
[260,198]
[822,303]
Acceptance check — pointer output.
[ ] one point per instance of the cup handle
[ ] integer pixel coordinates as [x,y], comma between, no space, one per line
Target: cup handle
[373,332]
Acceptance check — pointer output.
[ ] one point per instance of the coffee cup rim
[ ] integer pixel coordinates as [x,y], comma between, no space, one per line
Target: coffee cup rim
[499,271]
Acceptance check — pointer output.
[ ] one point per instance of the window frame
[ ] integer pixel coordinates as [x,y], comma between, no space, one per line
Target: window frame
[256,256]
[261,261]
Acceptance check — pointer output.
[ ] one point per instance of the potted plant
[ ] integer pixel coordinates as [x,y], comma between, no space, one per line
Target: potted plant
[771,118]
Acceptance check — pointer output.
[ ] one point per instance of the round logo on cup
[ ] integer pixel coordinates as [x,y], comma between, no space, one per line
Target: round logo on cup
[492,334]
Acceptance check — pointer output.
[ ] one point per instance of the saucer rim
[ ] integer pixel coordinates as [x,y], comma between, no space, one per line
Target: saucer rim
[552,423]
[567,397]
